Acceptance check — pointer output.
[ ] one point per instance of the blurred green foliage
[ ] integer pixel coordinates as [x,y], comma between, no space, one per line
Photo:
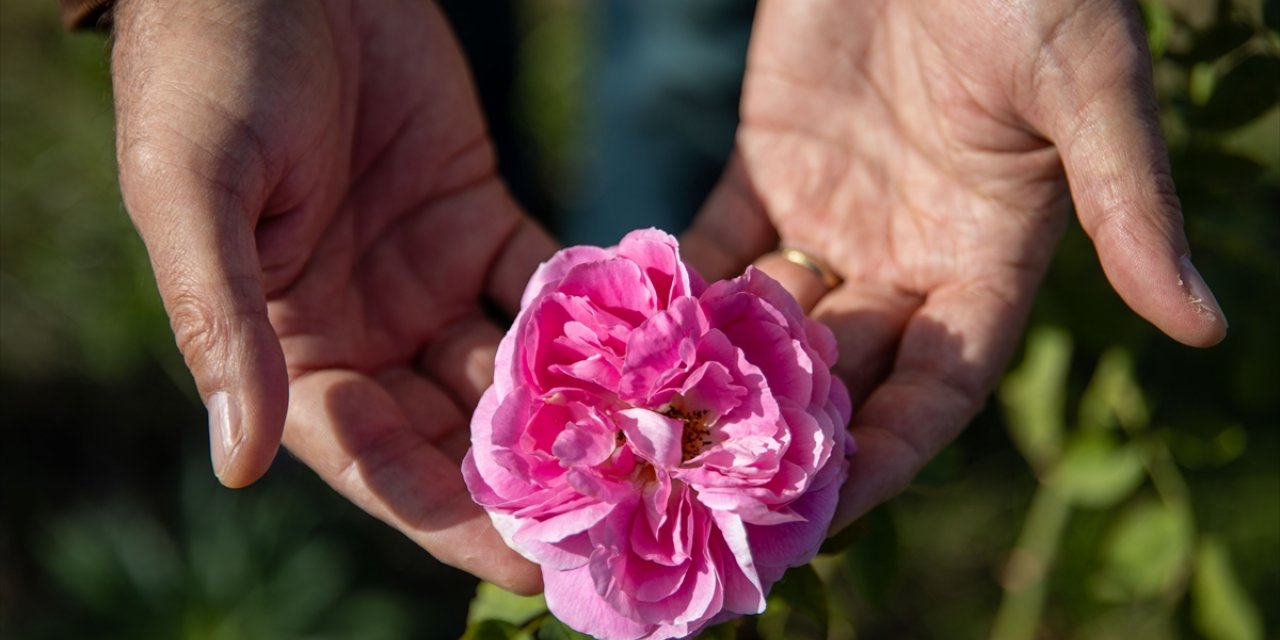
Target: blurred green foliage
[76,286]
[1120,485]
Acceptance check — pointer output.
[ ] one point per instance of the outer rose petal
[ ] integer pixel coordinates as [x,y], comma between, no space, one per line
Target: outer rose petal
[658,256]
[551,272]
[616,285]
[795,543]
[571,596]
[743,591]
[489,482]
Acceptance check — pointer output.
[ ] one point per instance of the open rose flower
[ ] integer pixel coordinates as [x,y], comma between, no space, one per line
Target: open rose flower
[664,449]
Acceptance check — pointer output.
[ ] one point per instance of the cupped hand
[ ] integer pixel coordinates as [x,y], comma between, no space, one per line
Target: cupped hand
[927,152]
[316,189]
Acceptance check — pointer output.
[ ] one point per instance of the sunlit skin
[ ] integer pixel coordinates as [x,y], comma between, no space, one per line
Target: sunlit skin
[316,190]
[918,148]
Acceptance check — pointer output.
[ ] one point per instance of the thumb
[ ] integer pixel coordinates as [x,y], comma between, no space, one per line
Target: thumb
[193,180]
[1118,170]
[203,253]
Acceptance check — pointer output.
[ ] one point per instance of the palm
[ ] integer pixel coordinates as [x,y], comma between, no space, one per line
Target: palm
[380,228]
[912,146]
[382,327]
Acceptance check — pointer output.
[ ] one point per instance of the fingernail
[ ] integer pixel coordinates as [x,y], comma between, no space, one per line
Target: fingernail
[1198,293]
[224,430]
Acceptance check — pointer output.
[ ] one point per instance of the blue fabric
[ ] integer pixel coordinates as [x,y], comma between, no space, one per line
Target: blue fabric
[663,103]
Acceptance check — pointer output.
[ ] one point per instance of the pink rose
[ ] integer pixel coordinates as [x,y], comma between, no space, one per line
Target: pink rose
[663,448]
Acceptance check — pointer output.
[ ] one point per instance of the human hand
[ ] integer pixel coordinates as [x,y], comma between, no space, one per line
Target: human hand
[316,190]
[924,150]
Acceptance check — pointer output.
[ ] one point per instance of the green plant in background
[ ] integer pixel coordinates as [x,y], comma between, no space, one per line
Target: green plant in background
[75,284]
[259,565]
[1149,548]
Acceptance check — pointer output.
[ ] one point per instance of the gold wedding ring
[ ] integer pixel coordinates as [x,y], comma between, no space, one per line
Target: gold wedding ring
[819,268]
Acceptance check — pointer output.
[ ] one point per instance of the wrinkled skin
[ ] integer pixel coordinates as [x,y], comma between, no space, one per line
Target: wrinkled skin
[316,190]
[924,151]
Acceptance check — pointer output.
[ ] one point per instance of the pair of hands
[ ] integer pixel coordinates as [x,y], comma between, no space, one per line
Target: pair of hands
[315,187]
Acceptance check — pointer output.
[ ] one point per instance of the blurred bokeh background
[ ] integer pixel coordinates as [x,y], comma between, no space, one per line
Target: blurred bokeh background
[1118,485]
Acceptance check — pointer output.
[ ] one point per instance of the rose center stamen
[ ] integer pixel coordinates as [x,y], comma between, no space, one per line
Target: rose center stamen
[696,434]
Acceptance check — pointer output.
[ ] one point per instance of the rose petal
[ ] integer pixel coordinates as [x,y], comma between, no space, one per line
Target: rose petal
[658,256]
[652,436]
[711,388]
[586,440]
[616,285]
[661,348]
[743,590]
[487,479]
[550,273]
[794,543]
[572,598]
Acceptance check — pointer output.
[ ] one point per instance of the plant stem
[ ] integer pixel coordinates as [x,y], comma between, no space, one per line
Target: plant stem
[1029,564]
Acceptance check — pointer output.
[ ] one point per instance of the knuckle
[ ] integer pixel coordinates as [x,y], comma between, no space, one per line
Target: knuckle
[200,331]
[139,159]
[210,325]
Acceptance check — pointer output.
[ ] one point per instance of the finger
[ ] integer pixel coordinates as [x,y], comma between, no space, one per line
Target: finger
[202,253]
[1118,170]
[527,245]
[348,429]
[952,351]
[461,358]
[731,230]
[802,282]
[868,321]
[192,180]
[427,277]
[429,410]
[200,242]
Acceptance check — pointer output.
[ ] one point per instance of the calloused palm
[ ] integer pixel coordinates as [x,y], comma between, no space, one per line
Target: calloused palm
[317,193]
[925,150]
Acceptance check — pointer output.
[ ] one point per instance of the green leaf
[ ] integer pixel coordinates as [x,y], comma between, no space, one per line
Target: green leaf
[1200,83]
[772,624]
[803,600]
[494,603]
[1221,608]
[1145,554]
[1113,397]
[1097,472]
[1128,623]
[552,629]
[1034,396]
[493,630]
[1159,26]
[1206,444]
